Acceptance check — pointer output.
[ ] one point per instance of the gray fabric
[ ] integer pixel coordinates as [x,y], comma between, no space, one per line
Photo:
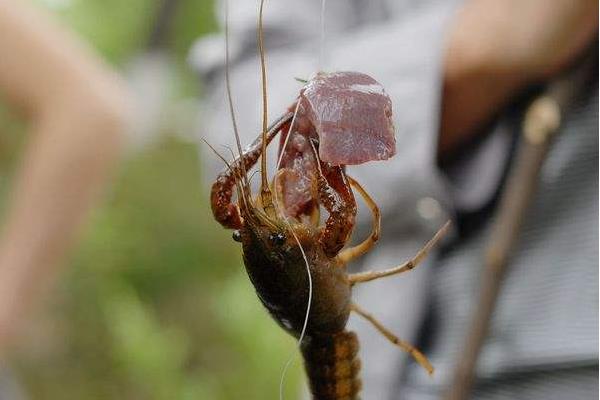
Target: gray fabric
[547,312]
[473,179]
[580,383]
[547,319]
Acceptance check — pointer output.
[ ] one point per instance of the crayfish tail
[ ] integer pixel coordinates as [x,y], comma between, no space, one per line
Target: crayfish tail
[332,366]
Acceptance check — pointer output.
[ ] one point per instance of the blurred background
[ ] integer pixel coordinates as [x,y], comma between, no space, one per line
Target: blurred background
[155,303]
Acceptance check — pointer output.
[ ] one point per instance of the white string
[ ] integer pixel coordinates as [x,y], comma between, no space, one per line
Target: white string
[322,39]
[310,283]
[310,288]
[287,138]
[321,66]
[317,157]
[303,332]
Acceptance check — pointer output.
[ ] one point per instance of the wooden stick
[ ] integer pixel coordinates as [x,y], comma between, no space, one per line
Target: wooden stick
[541,122]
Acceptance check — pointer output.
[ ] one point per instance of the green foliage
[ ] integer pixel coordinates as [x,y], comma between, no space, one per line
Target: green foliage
[193,19]
[119,29]
[116,28]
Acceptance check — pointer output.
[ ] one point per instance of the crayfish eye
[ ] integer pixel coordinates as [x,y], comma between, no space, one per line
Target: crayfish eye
[236,235]
[277,238]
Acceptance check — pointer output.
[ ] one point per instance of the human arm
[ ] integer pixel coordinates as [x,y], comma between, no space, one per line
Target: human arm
[77,110]
[496,48]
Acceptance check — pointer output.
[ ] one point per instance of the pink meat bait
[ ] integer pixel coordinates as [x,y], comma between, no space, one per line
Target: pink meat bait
[352,116]
[347,118]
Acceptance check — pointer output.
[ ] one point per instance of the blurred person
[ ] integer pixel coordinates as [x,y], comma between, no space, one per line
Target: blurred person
[459,74]
[77,109]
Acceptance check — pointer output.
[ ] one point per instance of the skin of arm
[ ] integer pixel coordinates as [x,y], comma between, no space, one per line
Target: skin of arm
[497,48]
[77,111]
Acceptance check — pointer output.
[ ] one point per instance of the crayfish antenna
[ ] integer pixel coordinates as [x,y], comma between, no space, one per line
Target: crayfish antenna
[233,171]
[265,192]
[244,193]
[407,347]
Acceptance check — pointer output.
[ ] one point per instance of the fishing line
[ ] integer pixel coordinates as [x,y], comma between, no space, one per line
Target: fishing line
[321,66]
[228,86]
[317,156]
[287,138]
[322,38]
[310,287]
[303,332]
[244,174]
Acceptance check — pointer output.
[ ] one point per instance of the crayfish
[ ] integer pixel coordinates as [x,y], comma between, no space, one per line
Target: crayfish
[295,262]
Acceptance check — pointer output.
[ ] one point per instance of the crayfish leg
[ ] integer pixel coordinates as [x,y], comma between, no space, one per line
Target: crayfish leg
[407,266]
[414,352]
[337,197]
[351,253]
